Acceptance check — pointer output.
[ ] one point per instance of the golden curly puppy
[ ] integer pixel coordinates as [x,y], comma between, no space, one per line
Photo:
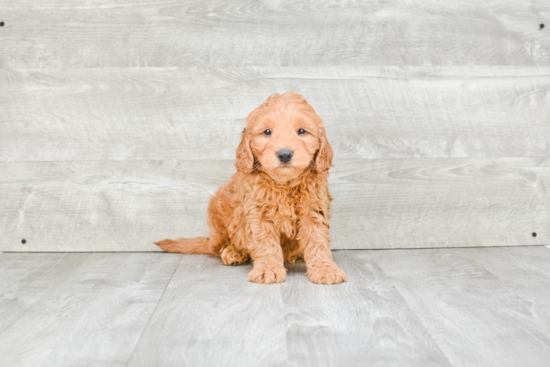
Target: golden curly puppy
[276,206]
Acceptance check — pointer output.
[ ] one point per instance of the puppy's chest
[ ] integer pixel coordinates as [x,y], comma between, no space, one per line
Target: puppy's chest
[284,211]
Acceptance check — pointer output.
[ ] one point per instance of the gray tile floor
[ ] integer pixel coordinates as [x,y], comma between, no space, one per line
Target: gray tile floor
[432,307]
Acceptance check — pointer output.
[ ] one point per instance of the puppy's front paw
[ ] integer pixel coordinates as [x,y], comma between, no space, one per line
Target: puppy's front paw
[267,275]
[328,274]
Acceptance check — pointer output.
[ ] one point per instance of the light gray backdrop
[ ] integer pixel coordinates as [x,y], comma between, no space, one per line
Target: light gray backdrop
[118,119]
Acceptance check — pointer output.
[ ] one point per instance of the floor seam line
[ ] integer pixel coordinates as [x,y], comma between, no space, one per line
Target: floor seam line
[395,286]
[154,310]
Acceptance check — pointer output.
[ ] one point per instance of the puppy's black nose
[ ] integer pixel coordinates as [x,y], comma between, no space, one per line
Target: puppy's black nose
[284,155]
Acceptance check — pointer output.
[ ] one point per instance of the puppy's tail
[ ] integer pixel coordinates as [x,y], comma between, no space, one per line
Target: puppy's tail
[199,245]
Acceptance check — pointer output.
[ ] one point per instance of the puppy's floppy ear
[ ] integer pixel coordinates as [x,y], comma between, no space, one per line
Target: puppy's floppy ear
[323,160]
[245,158]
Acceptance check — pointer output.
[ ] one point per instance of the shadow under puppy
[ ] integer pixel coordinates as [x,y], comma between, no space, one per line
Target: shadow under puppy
[275,208]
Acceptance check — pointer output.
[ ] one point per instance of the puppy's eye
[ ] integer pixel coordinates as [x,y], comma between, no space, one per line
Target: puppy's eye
[301,132]
[267,132]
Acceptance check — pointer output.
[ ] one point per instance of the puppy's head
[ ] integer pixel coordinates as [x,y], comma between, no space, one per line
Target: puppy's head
[282,138]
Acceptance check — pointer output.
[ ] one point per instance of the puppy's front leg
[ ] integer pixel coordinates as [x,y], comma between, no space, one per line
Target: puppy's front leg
[314,240]
[266,253]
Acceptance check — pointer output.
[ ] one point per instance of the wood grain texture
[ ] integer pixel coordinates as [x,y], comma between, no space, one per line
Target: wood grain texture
[445,202]
[363,321]
[77,309]
[214,317]
[106,206]
[198,113]
[131,33]
[210,316]
[388,203]
[428,307]
[516,265]
[475,315]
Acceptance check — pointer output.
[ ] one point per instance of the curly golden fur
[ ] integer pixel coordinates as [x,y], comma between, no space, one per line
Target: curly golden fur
[275,208]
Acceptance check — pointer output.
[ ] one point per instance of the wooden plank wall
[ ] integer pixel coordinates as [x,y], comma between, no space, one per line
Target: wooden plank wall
[119,120]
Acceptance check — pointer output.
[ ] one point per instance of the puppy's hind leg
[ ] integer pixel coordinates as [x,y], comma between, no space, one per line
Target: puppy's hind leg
[292,251]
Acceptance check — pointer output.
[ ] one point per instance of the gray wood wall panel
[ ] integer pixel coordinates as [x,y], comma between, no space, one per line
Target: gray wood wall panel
[213,317]
[471,309]
[106,205]
[446,94]
[198,113]
[55,33]
[78,309]
[387,203]
[446,202]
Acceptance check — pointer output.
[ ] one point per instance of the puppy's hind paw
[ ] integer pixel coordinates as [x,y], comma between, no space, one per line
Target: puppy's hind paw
[231,256]
[296,259]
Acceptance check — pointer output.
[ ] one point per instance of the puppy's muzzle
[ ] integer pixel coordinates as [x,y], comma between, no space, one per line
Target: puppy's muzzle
[284,155]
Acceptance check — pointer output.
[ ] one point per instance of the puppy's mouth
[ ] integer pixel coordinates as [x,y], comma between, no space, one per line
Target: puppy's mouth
[285,166]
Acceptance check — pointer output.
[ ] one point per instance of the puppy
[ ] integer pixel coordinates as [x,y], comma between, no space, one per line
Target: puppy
[275,208]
